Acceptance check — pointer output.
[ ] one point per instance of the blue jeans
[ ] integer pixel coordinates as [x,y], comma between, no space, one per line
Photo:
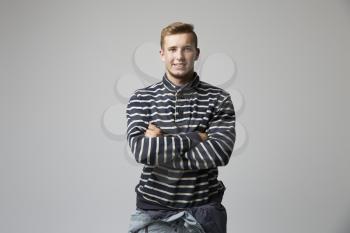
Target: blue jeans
[208,218]
[181,222]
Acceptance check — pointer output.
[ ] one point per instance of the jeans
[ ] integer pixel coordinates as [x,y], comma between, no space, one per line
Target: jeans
[181,222]
[209,218]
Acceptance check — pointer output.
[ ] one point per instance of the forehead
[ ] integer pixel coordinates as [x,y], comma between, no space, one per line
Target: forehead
[180,39]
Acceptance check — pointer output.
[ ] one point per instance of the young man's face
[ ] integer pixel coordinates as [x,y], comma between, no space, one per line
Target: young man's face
[179,54]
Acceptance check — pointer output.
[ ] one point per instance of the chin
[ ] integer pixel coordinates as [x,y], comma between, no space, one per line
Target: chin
[180,74]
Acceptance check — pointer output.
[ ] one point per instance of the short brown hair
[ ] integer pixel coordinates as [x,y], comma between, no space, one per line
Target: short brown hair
[176,28]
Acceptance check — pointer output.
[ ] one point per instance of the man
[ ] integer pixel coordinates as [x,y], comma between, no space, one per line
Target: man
[182,129]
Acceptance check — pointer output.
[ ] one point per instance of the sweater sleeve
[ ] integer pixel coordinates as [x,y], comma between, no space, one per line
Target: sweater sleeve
[217,149]
[182,151]
[158,151]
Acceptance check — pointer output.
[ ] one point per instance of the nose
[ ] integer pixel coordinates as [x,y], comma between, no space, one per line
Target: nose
[179,54]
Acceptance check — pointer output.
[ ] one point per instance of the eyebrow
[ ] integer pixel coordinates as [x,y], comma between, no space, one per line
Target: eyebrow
[185,46]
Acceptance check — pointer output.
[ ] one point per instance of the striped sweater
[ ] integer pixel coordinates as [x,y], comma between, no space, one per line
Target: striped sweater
[180,170]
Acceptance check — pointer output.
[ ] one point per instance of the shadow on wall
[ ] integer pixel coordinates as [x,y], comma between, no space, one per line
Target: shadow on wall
[345,223]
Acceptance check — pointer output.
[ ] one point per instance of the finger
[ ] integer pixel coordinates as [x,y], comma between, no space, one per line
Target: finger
[152,133]
[153,127]
[149,133]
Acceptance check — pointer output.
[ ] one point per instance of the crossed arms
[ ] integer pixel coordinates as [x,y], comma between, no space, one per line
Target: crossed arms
[194,150]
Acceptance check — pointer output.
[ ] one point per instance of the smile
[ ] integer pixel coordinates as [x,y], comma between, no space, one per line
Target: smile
[179,65]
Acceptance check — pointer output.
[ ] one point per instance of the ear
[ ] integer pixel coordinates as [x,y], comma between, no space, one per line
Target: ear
[161,53]
[197,55]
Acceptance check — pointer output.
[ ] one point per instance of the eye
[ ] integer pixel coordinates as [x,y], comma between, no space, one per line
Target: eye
[172,49]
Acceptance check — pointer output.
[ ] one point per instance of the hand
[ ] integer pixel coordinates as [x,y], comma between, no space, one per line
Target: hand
[153,131]
[204,136]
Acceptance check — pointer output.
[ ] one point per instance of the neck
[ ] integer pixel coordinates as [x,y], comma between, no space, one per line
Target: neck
[180,81]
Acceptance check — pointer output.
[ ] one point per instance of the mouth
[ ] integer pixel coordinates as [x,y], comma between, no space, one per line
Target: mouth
[179,65]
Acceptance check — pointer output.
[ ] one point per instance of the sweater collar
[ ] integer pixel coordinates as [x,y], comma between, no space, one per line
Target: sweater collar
[172,87]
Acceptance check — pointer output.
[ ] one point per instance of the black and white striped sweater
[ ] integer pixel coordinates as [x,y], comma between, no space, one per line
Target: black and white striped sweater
[180,171]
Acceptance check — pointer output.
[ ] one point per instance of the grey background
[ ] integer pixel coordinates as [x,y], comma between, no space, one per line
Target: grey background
[61,173]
